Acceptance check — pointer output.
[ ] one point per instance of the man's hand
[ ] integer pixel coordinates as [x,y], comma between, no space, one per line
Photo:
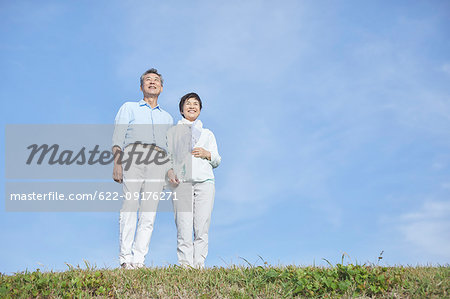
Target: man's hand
[200,152]
[118,173]
[173,177]
[118,170]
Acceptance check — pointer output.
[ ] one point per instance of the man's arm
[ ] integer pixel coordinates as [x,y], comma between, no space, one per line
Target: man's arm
[121,123]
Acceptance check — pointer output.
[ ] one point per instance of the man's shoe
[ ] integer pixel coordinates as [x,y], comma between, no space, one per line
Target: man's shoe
[127,266]
[138,265]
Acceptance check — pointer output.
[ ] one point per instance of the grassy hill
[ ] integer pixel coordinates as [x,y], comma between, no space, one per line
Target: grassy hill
[233,282]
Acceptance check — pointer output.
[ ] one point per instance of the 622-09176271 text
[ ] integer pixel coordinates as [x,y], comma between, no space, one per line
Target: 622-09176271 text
[141,195]
[102,195]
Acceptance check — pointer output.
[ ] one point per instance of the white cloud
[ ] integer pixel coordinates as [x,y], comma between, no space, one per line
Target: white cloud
[33,16]
[238,38]
[428,228]
[446,68]
[250,37]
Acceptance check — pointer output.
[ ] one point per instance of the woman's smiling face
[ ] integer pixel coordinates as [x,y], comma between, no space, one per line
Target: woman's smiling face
[191,109]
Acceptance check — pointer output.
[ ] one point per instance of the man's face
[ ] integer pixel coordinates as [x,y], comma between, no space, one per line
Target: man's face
[151,85]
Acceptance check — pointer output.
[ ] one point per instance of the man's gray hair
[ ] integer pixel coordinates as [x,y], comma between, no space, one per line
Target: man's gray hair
[152,71]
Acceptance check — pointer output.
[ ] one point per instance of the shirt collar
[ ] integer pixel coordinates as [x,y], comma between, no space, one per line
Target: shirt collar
[144,103]
[197,123]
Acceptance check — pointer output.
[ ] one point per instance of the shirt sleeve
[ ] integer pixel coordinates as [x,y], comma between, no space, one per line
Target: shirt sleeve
[169,139]
[215,157]
[121,122]
[170,126]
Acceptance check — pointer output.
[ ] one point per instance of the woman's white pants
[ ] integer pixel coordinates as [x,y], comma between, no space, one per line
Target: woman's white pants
[193,209]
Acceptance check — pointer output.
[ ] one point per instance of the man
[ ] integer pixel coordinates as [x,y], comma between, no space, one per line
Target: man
[139,142]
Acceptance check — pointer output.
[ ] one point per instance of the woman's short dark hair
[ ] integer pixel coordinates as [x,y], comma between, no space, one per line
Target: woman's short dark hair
[189,96]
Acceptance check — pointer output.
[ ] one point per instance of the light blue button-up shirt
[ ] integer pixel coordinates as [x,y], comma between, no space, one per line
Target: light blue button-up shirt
[137,122]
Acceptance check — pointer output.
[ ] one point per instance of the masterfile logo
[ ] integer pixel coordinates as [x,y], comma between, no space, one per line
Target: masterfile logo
[52,156]
[71,151]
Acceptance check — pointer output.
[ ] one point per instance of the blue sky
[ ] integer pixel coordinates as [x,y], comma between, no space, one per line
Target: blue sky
[332,119]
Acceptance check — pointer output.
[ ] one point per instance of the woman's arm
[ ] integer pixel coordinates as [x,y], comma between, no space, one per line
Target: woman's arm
[212,145]
[212,155]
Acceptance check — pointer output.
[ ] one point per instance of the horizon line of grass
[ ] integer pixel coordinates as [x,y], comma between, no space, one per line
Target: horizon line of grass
[88,265]
[233,281]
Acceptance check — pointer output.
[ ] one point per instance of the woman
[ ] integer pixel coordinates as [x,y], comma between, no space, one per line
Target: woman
[194,154]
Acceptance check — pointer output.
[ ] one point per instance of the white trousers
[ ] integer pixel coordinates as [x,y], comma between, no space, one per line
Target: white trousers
[193,214]
[140,184]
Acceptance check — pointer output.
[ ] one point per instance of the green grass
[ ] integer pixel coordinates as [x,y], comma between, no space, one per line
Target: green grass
[233,282]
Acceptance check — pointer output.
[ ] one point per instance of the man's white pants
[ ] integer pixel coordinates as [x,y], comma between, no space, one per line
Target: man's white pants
[193,214]
[139,182]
